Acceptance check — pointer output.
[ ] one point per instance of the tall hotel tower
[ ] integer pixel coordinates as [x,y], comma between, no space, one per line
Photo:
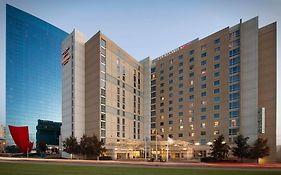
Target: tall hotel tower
[103,94]
[222,84]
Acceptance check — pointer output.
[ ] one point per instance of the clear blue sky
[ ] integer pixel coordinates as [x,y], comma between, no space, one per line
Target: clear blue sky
[145,27]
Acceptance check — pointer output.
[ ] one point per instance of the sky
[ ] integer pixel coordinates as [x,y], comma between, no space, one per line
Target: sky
[148,27]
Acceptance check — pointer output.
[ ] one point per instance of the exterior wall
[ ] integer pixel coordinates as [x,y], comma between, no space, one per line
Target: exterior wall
[146,64]
[73,73]
[249,79]
[106,65]
[92,86]
[67,121]
[33,71]
[128,67]
[190,124]
[267,83]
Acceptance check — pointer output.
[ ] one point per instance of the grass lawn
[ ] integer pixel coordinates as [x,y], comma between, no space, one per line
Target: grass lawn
[45,169]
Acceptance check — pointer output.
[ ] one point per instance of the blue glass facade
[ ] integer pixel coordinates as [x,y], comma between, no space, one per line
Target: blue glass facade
[33,70]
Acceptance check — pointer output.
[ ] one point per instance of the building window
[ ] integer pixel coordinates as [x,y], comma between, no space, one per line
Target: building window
[234,96]
[191,74]
[216,116]
[191,67]
[216,132]
[203,86]
[216,91]
[234,78]
[216,107]
[216,124]
[103,43]
[234,70]
[203,117]
[203,78]
[203,133]
[180,71]
[180,57]
[217,41]
[203,62]
[234,61]
[234,87]
[203,55]
[234,114]
[181,78]
[203,109]
[191,60]
[203,71]
[191,97]
[234,105]
[181,85]
[234,52]
[216,74]
[203,94]
[217,58]
[216,83]
[191,82]
[191,52]
[171,68]
[216,99]
[191,89]
[203,125]
[217,49]
[216,66]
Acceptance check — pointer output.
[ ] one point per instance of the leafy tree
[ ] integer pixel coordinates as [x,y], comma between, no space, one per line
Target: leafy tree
[219,148]
[12,149]
[259,149]
[71,145]
[242,148]
[91,146]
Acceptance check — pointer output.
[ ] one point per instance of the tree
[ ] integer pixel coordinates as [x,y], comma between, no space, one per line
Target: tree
[71,145]
[242,148]
[12,149]
[91,147]
[259,149]
[42,147]
[219,148]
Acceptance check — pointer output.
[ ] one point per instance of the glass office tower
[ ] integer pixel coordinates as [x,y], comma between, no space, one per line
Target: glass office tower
[33,71]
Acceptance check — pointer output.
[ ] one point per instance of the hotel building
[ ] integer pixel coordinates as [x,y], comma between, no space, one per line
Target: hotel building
[224,84]
[103,94]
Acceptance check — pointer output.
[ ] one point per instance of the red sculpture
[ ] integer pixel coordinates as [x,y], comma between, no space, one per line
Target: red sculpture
[21,138]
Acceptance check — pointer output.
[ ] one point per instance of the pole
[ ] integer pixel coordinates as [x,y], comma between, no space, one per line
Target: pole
[145,148]
[156,156]
[167,148]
